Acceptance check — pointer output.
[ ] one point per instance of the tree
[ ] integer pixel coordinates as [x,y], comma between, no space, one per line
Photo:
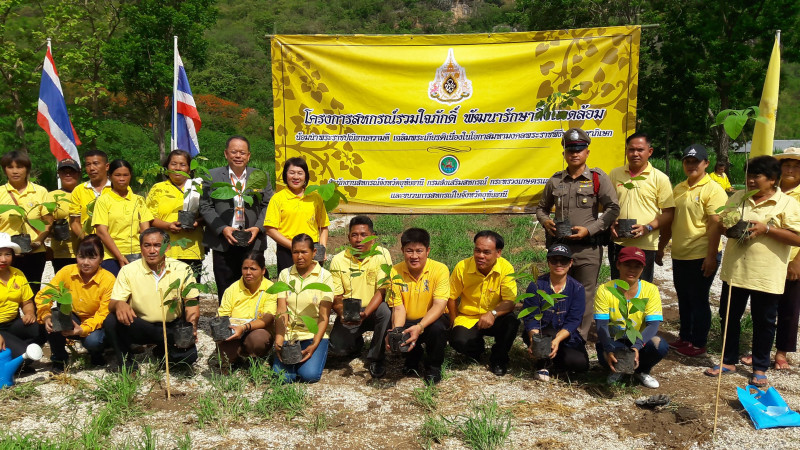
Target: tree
[139,62]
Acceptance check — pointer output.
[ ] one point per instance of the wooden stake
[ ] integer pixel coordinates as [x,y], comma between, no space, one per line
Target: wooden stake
[722,358]
[166,347]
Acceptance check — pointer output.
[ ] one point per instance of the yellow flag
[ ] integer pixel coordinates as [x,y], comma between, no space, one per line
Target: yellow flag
[764,133]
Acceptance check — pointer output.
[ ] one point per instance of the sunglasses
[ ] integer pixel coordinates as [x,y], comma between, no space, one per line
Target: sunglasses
[559,261]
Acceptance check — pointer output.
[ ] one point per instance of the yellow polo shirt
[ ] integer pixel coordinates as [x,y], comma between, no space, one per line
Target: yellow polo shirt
[644,202]
[760,263]
[13,294]
[82,196]
[418,294]
[89,300]
[307,303]
[795,194]
[480,294]
[606,307]
[364,285]
[693,206]
[30,200]
[164,201]
[292,214]
[122,216]
[62,249]
[722,180]
[137,285]
[238,302]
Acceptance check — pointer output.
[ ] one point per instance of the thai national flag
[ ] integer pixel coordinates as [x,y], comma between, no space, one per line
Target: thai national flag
[52,116]
[186,122]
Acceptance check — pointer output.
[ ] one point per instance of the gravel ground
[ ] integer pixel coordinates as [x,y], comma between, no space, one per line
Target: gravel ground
[363,413]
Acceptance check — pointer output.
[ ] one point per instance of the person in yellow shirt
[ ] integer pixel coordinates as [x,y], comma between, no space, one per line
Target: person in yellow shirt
[649,202]
[83,197]
[650,349]
[485,293]
[311,303]
[695,249]
[16,332]
[721,177]
[356,276]
[167,198]
[90,286]
[756,268]
[137,309]
[418,304]
[19,191]
[69,173]
[119,216]
[252,312]
[291,212]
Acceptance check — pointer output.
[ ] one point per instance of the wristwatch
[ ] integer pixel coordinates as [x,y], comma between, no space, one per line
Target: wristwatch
[494,313]
[649,228]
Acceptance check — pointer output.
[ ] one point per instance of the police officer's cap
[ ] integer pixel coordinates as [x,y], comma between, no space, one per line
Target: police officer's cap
[575,139]
[559,250]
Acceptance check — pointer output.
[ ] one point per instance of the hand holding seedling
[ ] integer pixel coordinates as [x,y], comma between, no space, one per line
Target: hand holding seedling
[756,229]
[413,334]
[75,331]
[611,358]
[238,331]
[550,226]
[578,233]
[307,352]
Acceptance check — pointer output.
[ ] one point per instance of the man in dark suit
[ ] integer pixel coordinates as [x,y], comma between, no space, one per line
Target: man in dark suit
[223,217]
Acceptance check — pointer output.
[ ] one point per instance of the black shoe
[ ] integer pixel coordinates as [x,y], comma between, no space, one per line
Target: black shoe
[410,371]
[498,369]
[377,369]
[57,367]
[433,377]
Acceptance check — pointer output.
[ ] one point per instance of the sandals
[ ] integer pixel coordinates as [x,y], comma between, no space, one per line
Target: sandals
[720,371]
[747,360]
[543,375]
[782,364]
[758,380]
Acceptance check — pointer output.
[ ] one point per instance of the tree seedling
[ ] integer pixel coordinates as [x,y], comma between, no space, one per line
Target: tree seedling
[540,342]
[23,239]
[291,352]
[351,307]
[397,337]
[61,313]
[625,226]
[256,182]
[187,217]
[626,329]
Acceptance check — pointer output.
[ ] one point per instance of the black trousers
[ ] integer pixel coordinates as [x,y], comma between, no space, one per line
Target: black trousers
[143,332]
[228,267]
[19,336]
[788,316]
[764,311]
[346,340]
[469,341]
[649,257]
[284,257]
[693,289]
[32,265]
[434,338]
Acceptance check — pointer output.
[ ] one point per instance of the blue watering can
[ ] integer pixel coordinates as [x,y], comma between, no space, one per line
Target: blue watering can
[9,366]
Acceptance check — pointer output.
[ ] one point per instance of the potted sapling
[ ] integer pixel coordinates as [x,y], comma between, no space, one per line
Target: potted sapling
[60,230]
[291,352]
[625,226]
[541,342]
[187,216]
[731,215]
[351,307]
[626,357]
[331,196]
[256,181]
[554,107]
[221,328]
[397,337]
[61,313]
[24,239]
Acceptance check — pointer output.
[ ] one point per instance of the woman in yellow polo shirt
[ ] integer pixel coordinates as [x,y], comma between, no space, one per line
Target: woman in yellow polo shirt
[291,212]
[312,303]
[16,332]
[90,286]
[252,312]
[119,216]
[756,269]
[19,191]
[167,198]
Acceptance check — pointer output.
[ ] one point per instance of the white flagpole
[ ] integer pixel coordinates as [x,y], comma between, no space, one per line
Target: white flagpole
[174,130]
[58,179]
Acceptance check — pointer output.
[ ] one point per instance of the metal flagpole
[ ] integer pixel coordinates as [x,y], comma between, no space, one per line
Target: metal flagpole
[173,139]
[58,179]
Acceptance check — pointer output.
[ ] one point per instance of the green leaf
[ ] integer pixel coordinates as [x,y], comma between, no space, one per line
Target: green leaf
[317,286]
[191,303]
[183,243]
[527,311]
[721,116]
[623,284]
[628,186]
[66,308]
[248,199]
[632,334]
[637,305]
[18,209]
[39,224]
[310,323]
[225,192]
[279,287]
[257,180]
[50,206]
[639,178]
[164,246]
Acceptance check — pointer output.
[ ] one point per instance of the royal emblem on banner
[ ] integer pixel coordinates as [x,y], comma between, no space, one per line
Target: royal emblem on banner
[451,84]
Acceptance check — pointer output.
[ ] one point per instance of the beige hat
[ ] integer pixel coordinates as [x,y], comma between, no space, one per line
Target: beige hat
[5,242]
[789,153]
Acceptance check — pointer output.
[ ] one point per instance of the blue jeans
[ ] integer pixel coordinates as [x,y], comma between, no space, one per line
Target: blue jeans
[94,343]
[654,351]
[309,371]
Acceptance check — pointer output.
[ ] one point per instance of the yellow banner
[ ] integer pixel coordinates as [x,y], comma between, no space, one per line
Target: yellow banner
[445,123]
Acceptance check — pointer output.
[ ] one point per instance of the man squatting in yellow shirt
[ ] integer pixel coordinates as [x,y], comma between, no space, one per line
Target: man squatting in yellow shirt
[485,293]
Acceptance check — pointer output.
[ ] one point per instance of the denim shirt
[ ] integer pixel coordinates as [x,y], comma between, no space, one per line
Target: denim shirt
[567,313]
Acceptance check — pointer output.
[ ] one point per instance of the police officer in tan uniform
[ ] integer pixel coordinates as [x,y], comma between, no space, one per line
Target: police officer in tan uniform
[580,194]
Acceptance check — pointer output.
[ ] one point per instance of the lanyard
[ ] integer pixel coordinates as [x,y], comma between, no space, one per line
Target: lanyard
[258,303]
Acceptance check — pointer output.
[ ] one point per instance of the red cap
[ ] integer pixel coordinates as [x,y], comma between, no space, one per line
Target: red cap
[631,254]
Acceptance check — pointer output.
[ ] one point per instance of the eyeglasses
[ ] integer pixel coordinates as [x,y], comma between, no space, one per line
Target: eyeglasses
[559,261]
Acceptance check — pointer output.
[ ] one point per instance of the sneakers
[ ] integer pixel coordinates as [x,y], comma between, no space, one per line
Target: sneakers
[691,350]
[614,377]
[377,369]
[680,343]
[647,380]
[542,375]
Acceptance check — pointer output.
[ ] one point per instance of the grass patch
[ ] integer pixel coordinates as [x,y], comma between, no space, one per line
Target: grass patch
[604,274]
[425,397]
[486,427]
[745,336]
[118,393]
[388,224]
[22,391]
[318,423]
[433,431]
